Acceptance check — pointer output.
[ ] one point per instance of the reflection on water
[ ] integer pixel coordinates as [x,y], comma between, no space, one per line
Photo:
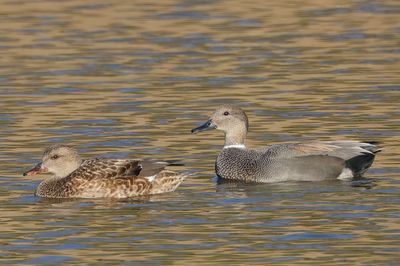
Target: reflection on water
[123,79]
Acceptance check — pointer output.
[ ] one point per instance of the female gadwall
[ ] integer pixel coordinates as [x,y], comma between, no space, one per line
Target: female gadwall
[96,178]
[308,161]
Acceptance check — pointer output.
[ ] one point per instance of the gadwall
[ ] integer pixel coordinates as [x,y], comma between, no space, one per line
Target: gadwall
[307,161]
[96,178]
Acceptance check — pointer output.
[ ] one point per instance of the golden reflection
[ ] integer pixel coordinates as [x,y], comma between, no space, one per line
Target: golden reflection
[135,77]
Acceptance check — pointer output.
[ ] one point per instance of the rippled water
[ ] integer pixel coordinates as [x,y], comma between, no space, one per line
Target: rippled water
[132,78]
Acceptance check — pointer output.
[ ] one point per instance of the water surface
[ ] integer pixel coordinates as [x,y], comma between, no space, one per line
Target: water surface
[131,79]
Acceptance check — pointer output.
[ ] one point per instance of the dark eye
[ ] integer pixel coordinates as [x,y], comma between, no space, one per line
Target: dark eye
[226,113]
[55,157]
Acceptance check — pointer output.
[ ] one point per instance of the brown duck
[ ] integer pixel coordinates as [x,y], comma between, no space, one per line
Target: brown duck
[101,178]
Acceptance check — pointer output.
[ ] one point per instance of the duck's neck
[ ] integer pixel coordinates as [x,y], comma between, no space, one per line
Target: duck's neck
[61,173]
[52,185]
[67,169]
[235,137]
[51,180]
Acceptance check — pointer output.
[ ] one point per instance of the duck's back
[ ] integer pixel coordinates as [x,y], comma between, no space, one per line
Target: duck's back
[311,161]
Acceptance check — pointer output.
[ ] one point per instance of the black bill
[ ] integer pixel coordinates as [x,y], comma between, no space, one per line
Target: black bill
[206,126]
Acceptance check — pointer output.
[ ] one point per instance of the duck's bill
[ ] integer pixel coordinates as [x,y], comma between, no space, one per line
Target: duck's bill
[38,169]
[206,126]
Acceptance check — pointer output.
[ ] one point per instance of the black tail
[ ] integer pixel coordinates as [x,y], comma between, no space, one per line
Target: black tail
[359,164]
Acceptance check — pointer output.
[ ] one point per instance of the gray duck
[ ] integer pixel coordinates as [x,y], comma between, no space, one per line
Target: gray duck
[306,161]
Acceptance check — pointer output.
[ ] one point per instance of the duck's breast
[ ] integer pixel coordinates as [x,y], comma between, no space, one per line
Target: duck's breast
[237,164]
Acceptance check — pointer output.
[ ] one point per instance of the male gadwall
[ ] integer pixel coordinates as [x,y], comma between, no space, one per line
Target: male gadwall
[97,178]
[308,161]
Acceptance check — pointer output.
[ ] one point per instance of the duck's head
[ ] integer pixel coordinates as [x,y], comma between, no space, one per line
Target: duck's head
[60,160]
[230,119]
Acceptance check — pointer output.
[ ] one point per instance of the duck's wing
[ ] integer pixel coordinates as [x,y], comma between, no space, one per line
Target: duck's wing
[117,168]
[106,169]
[151,167]
[341,149]
[325,157]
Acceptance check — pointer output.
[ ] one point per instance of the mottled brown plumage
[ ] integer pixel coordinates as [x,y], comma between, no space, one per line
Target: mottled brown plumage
[96,178]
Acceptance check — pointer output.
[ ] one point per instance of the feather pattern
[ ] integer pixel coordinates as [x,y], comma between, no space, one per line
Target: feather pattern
[111,178]
[307,161]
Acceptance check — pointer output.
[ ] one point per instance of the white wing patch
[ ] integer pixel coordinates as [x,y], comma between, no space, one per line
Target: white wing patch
[151,178]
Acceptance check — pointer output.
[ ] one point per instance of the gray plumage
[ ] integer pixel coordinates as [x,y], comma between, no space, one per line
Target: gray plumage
[308,161]
[93,178]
